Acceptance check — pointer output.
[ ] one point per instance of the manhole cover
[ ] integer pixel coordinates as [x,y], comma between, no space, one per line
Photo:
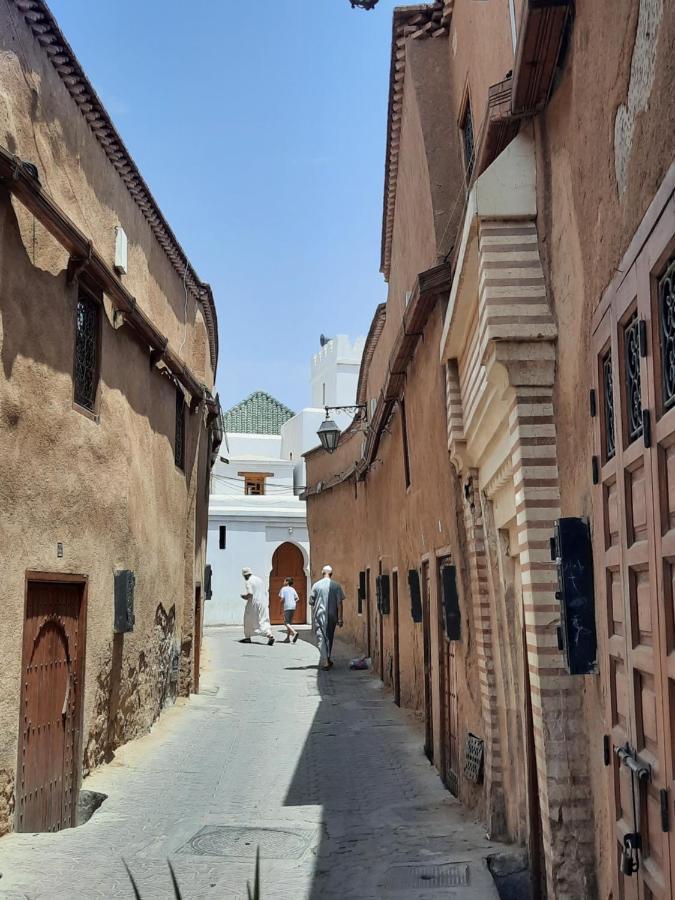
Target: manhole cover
[404,878]
[237,841]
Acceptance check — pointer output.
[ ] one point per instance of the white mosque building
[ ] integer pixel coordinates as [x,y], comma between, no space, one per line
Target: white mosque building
[256,517]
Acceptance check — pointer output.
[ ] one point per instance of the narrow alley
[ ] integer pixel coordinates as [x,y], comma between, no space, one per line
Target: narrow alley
[320,770]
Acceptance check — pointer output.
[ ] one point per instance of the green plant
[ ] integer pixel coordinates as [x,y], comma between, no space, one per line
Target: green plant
[253,893]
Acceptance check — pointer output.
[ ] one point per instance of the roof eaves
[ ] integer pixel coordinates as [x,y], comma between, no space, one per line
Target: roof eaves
[46,31]
[419,21]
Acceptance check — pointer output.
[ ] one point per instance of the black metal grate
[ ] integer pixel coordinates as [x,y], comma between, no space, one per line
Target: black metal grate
[86,352]
[608,392]
[243,842]
[179,443]
[631,339]
[467,131]
[401,878]
[666,293]
[473,758]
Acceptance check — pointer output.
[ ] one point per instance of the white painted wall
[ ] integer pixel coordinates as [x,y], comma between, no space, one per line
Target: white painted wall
[255,526]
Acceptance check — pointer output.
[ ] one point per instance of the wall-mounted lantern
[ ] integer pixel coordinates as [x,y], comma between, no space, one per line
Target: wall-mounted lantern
[329,433]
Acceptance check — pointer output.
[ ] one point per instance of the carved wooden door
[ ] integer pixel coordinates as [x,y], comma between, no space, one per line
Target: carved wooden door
[51,706]
[449,763]
[287,562]
[634,348]
[428,696]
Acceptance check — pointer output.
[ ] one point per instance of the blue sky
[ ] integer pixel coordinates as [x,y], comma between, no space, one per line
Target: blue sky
[260,128]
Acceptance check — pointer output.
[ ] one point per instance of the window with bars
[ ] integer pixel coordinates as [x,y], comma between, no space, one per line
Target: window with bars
[631,343]
[467,137]
[254,484]
[87,351]
[666,299]
[608,403]
[179,441]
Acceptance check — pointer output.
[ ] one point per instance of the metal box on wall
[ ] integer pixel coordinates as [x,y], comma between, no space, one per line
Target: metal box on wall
[125,582]
[572,551]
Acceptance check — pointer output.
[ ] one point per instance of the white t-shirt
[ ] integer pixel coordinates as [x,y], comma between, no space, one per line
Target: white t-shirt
[290,596]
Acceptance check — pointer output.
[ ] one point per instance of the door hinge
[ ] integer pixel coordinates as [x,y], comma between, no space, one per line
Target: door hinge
[665,813]
[596,470]
[642,332]
[646,428]
[592,403]
[606,752]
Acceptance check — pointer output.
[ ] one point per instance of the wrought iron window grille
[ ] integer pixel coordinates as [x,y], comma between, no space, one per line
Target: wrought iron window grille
[631,338]
[179,442]
[467,133]
[608,397]
[473,758]
[87,319]
[666,295]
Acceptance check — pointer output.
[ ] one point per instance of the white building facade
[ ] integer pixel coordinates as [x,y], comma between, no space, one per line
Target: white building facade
[256,517]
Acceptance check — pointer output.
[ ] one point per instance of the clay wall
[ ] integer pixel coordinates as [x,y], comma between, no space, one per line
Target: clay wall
[105,487]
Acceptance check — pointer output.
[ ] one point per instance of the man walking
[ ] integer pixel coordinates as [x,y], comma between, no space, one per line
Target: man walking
[289,597]
[326,599]
[257,611]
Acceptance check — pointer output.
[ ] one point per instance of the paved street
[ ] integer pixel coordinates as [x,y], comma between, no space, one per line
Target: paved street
[321,770]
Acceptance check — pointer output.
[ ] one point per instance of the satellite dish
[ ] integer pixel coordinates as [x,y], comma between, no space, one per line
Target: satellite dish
[323,340]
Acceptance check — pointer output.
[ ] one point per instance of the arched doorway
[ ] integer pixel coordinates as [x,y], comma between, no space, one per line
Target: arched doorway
[288,562]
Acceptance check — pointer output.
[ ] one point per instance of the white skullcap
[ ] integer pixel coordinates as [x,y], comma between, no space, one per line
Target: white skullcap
[327,570]
[246,571]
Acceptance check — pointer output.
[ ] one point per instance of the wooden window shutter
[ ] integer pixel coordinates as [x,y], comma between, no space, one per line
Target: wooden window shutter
[451,612]
[415,595]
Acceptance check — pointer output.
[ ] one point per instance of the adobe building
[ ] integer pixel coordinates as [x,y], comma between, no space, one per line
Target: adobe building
[520,374]
[108,427]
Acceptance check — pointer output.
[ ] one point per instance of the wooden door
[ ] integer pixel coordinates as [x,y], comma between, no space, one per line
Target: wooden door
[449,763]
[397,648]
[380,636]
[288,562]
[634,348]
[369,617]
[48,777]
[428,701]
[198,637]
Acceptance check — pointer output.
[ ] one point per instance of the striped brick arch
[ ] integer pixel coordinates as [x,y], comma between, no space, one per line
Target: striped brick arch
[509,359]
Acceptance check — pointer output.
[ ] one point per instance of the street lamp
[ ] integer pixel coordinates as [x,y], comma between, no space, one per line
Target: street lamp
[329,433]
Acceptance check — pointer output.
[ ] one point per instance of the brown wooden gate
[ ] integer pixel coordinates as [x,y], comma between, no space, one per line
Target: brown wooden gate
[198,637]
[449,762]
[287,562]
[634,507]
[396,638]
[428,697]
[52,680]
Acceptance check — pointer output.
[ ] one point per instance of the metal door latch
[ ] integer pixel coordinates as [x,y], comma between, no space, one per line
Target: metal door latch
[632,842]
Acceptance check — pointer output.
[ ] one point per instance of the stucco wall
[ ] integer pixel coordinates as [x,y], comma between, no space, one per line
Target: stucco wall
[107,488]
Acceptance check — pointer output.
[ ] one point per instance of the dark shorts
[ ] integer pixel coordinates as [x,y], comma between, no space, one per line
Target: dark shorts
[288,616]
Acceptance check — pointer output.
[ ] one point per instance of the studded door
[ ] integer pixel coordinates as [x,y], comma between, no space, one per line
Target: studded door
[51,697]
[634,505]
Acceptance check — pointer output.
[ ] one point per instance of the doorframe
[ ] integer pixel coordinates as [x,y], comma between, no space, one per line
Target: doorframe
[199,602]
[396,673]
[33,576]
[380,630]
[425,588]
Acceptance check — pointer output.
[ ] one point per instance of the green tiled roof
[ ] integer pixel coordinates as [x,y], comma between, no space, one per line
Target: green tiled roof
[258,414]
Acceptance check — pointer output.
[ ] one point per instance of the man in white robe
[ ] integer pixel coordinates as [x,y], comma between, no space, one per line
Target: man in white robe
[257,610]
[326,600]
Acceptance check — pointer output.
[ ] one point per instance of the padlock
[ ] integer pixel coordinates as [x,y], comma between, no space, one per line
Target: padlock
[627,861]
[630,862]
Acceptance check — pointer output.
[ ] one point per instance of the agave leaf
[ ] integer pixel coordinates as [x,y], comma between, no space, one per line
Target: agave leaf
[133,883]
[176,889]
[256,888]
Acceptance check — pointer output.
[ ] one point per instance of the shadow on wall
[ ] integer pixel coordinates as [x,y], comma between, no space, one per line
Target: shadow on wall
[128,700]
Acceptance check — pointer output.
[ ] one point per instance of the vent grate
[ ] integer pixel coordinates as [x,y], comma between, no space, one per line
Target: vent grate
[405,878]
[473,758]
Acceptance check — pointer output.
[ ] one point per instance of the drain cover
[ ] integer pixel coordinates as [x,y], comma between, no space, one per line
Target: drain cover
[242,842]
[404,878]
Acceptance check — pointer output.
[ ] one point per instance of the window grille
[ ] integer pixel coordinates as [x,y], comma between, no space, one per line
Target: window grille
[86,352]
[467,133]
[608,395]
[179,443]
[666,292]
[254,486]
[631,338]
